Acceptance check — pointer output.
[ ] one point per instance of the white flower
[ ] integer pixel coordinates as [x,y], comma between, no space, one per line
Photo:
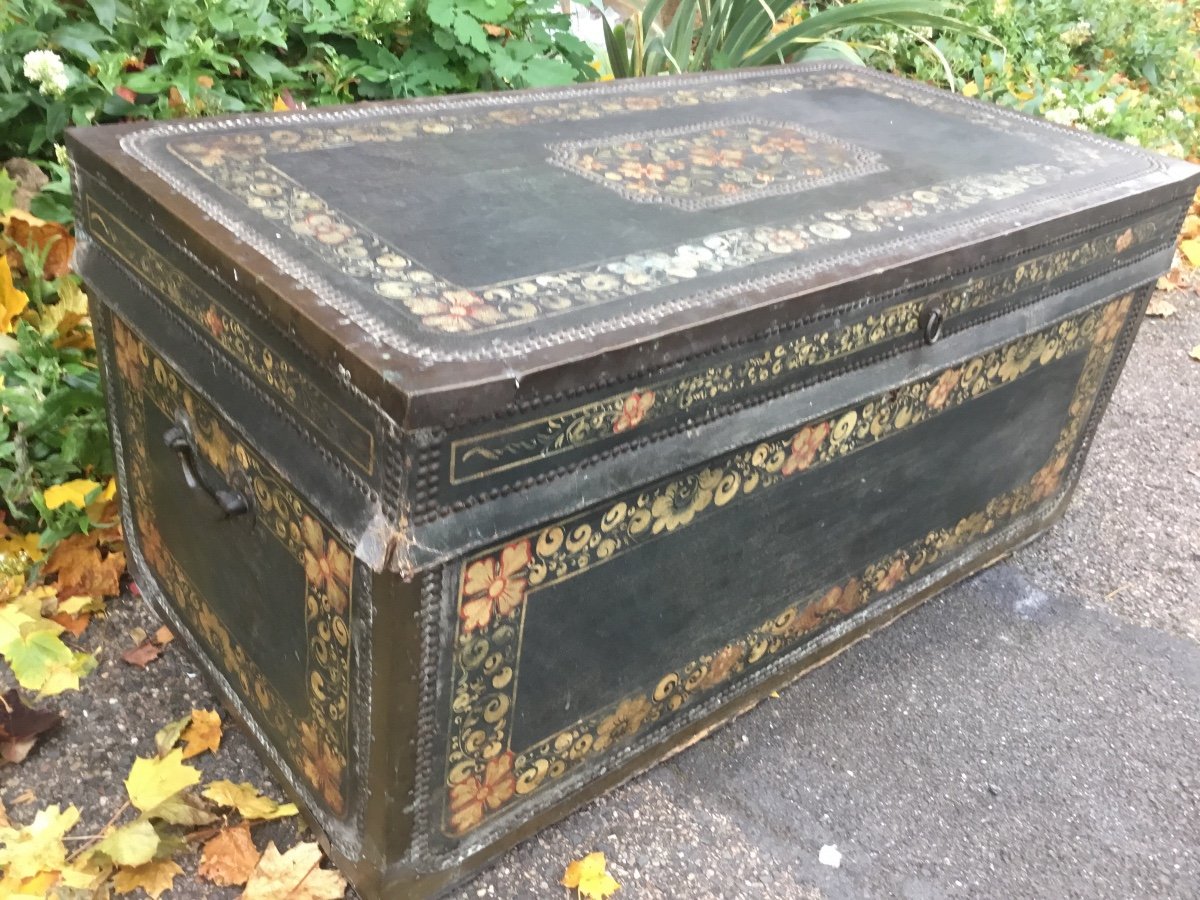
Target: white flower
[45,68]
[1077,35]
[1176,115]
[1100,112]
[1054,94]
[1132,139]
[1065,116]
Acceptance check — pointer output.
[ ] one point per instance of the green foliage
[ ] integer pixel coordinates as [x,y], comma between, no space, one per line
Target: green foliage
[53,429]
[1130,73]
[725,34]
[105,60]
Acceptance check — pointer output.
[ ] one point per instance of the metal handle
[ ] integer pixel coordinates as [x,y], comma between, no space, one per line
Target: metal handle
[931,321]
[231,502]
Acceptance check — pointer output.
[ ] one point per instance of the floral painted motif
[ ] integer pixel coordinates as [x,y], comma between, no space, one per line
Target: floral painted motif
[322,766]
[1114,318]
[681,500]
[633,410]
[455,311]
[941,391]
[495,586]
[488,791]
[1123,241]
[488,657]
[1048,478]
[316,739]
[892,575]
[212,320]
[327,565]
[715,164]
[625,720]
[804,447]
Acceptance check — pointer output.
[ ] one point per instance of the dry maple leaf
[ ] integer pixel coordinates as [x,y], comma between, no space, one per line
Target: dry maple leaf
[202,733]
[295,875]
[230,857]
[589,876]
[154,878]
[87,564]
[20,726]
[1160,308]
[142,655]
[49,238]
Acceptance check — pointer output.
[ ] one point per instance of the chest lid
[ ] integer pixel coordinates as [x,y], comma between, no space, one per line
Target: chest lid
[451,248]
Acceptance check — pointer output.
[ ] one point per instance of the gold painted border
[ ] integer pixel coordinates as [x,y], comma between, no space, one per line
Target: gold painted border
[484,774]
[277,375]
[534,440]
[237,163]
[318,743]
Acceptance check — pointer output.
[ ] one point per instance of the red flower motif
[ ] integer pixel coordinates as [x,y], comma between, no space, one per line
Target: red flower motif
[1045,482]
[805,445]
[495,585]
[212,319]
[455,311]
[633,411]
[941,390]
[473,795]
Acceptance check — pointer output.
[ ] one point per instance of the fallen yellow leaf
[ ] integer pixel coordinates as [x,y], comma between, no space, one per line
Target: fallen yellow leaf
[153,781]
[246,799]
[1191,250]
[295,875]
[154,878]
[12,301]
[589,876]
[167,737]
[1195,354]
[74,492]
[203,733]
[38,847]
[279,105]
[230,857]
[970,89]
[130,845]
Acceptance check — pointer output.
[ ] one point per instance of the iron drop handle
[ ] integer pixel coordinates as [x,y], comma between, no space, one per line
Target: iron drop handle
[930,321]
[231,502]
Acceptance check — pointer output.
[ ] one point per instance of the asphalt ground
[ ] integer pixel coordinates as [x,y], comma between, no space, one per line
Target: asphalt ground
[1031,732]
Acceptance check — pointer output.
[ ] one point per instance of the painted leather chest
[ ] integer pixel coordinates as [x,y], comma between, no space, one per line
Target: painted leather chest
[487,449]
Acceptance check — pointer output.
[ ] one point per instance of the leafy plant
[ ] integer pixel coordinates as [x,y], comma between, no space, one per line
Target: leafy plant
[725,34]
[94,61]
[1087,63]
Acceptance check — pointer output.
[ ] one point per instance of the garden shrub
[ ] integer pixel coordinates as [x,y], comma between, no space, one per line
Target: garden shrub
[1130,72]
[96,61]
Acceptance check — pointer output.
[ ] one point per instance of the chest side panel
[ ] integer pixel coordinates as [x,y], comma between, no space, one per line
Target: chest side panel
[581,643]
[259,579]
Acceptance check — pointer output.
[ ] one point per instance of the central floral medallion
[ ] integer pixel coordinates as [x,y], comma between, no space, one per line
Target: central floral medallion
[715,163]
